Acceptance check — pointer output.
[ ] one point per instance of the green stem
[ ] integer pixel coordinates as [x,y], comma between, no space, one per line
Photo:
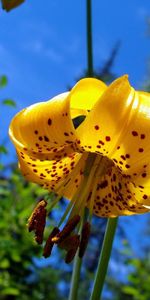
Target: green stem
[75,278]
[89,39]
[104,259]
[77,266]
[78,261]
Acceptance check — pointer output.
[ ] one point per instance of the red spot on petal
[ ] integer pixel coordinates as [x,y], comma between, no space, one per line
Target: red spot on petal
[107,138]
[141,149]
[134,133]
[49,122]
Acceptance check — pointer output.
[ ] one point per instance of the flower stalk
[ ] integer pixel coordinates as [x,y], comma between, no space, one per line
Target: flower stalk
[75,278]
[78,261]
[89,39]
[77,267]
[104,259]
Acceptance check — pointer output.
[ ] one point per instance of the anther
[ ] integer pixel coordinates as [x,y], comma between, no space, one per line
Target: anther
[37,221]
[68,228]
[72,252]
[84,238]
[70,242]
[49,244]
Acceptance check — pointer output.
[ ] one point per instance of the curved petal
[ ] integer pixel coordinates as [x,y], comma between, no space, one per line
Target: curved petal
[85,93]
[102,128]
[44,127]
[133,149]
[115,196]
[63,175]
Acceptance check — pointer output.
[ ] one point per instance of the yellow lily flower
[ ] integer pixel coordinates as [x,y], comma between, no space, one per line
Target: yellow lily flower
[104,163]
[9,5]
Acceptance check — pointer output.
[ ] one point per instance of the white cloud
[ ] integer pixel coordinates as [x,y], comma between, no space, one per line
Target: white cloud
[39,47]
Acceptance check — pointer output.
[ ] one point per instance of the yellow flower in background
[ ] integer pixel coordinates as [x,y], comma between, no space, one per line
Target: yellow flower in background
[10,4]
[102,164]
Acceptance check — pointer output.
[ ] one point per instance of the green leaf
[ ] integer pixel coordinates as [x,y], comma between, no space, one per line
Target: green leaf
[3,149]
[9,102]
[11,291]
[130,290]
[4,264]
[3,81]
[1,167]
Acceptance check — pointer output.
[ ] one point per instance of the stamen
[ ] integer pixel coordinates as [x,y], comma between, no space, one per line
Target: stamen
[68,228]
[70,242]
[49,244]
[84,238]
[69,207]
[90,171]
[37,221]
[72,252]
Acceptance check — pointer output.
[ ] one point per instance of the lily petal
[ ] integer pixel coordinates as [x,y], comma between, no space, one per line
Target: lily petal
[44,127]
[103,126]
[84,95]
[63,175]
[133,148]
[115,196]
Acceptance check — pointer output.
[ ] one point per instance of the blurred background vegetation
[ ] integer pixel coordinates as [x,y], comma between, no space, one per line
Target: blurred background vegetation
[24,274]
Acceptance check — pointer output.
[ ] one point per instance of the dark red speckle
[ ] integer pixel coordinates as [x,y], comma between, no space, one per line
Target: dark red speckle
[96,127]
[107,138]
[134,133]
[49,122]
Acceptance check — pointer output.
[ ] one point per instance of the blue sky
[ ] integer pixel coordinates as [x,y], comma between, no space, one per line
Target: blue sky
[43,47]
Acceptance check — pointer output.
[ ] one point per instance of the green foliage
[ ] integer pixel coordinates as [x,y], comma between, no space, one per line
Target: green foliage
[138,287]
[137,284]
[19,276]
[3,149]
[3,84]
[9,102]
[3,81]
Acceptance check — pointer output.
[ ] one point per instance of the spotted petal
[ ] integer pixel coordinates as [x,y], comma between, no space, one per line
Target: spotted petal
[116,195]
[63,176]
[133,148]
[102,128]
[44,127]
